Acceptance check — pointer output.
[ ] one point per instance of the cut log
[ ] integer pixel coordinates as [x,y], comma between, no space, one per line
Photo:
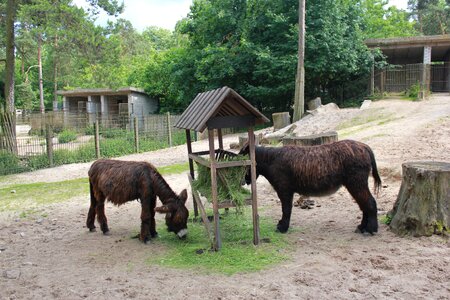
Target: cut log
[311,140]
[280,120]
[422,207]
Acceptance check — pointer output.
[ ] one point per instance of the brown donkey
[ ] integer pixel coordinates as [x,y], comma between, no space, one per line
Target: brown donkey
[319,171]
[122,181]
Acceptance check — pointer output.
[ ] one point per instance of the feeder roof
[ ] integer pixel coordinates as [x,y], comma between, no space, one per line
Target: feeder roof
[221,102]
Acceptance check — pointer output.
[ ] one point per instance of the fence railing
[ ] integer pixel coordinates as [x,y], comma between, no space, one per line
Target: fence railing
[44,140]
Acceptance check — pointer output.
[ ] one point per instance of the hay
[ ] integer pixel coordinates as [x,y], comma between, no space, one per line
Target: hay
[231,189]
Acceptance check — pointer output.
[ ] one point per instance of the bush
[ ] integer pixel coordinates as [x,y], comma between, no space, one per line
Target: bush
[66,136]
[10,164]
[413,92]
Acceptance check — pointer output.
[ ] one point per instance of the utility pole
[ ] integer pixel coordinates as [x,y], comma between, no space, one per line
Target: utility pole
[299,96]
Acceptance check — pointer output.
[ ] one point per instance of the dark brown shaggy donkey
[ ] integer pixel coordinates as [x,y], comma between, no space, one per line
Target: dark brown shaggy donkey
[319,171]
[122,181]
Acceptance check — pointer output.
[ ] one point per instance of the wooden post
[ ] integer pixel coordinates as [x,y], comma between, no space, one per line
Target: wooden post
[136,135]
[217,240]
[251,142]
[48,136]
[169,129]
[220,138]
[97,139]
[191,166]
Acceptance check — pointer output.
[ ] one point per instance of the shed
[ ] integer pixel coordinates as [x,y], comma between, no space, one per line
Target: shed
[423,60]
[215,110]
[125,101]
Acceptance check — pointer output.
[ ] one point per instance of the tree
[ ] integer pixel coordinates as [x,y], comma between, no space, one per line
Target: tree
[432,16]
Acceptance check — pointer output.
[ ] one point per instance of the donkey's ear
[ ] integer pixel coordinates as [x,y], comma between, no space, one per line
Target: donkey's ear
[163,209]
[245,149]
[183,196]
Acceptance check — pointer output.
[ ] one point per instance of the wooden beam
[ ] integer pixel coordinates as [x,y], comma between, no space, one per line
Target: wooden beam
[231,121]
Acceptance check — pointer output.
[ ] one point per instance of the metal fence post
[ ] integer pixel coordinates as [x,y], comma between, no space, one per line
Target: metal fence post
[169,129]
[48,137]
[136,135]
[97,139]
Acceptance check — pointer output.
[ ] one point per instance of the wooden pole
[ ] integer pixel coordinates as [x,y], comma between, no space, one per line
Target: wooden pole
[136,135]
[191,165]
[97,139]
[220,137]
[299,97]
[251,142]
[48,135]
[169,129]
[217,240]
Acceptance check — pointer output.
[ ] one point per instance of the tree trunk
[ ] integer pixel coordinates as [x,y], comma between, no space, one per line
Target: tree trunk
[423,203]
[41,85]
[7,119]
[10,57]
[312,140]
[280,120]
[299,97]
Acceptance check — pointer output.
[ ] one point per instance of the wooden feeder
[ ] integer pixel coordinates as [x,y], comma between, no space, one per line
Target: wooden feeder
[215,110]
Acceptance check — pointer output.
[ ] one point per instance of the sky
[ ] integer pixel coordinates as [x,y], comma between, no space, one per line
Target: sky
[166,13]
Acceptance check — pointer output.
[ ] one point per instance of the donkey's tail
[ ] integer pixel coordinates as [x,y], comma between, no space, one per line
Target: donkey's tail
[375,175]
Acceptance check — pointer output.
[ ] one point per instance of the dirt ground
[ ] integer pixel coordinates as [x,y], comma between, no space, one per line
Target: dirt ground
[55,257]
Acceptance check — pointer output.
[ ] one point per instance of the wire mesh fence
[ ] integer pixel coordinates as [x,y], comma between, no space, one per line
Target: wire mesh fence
[56,138]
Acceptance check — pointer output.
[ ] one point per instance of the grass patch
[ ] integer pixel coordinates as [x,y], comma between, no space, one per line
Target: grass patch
[238,254]
[174,169]
[29,196]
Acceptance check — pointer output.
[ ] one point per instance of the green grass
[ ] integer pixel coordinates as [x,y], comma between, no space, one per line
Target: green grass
[174,169]
[30,196]
[237,255]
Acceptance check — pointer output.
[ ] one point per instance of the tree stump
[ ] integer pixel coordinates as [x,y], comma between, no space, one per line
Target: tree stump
[280,120]
[423,203]
[315,103]
[311,140]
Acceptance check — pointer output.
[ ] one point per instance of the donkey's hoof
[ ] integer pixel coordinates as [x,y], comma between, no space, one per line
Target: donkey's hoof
[92,229]
[282,228]
[106,233]
[154,234]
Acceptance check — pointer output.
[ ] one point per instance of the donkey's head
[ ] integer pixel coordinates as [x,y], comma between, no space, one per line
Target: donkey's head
[176,214]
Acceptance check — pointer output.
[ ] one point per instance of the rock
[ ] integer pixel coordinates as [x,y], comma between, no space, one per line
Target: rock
[11,274]
[2,247]
[39,221]
[22,234]
[27,263]
[365,104]
[13,191]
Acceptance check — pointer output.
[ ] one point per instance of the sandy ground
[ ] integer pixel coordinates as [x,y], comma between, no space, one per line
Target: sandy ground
[55,257]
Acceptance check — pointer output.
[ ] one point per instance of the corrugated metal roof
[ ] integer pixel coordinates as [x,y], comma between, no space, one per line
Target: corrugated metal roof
[220,102]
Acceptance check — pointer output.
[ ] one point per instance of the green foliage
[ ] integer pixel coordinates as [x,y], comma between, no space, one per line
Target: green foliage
[66,136]
[229,183]
[10,163]
[238,254]
[386,219]
[413,91]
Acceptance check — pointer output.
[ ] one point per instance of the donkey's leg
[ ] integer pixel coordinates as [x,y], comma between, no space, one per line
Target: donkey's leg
[153,232]
[286,207]
[361,193]
[101,217]
[145,220]
[91,214]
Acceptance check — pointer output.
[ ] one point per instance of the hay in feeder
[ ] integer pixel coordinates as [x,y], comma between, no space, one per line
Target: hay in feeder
[229,183]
